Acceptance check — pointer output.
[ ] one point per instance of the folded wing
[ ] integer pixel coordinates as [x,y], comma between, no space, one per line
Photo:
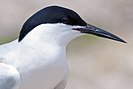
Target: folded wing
[9,77]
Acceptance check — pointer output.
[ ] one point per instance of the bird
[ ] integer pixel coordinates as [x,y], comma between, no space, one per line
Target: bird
[37,58]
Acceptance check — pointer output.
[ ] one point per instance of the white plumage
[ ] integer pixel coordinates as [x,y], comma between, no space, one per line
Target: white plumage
[40,59]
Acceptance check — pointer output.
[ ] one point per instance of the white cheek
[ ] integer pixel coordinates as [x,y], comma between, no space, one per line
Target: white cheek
[52,34]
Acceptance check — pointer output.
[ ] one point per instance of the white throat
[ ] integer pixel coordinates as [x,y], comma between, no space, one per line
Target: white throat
[50,34]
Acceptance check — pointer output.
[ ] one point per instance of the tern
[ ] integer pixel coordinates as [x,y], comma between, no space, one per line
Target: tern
[37,59]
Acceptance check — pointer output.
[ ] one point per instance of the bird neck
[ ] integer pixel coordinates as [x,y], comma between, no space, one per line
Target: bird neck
[49,35]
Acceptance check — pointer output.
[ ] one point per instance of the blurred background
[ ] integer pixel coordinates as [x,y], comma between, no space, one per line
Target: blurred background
[95,63]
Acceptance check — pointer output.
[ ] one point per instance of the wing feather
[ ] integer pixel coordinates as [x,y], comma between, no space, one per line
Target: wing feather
[9,77]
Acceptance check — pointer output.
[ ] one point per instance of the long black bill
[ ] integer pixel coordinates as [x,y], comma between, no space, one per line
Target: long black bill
[90,29]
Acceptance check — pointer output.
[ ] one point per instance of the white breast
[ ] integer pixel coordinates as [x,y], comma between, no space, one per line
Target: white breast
[38,70]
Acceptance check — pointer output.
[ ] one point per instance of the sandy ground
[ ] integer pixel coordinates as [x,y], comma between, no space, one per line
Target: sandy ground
[94,63]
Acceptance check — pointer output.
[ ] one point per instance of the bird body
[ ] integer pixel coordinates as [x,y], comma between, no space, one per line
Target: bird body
[38,56]
[48,60]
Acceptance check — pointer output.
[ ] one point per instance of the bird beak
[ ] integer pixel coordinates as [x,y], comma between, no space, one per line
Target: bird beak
[90,29]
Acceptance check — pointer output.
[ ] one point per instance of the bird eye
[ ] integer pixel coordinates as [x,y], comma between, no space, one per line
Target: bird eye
[65,20]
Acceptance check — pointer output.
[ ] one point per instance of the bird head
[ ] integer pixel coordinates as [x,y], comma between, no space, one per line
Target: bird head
[61,25]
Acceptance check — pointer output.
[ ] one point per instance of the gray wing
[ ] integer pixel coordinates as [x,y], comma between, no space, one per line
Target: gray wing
[63,83]
[9,77]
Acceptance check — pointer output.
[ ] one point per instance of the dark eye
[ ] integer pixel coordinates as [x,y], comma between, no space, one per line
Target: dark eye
[65,20]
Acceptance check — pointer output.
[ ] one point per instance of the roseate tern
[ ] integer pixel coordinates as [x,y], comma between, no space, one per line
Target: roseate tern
[37,59]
